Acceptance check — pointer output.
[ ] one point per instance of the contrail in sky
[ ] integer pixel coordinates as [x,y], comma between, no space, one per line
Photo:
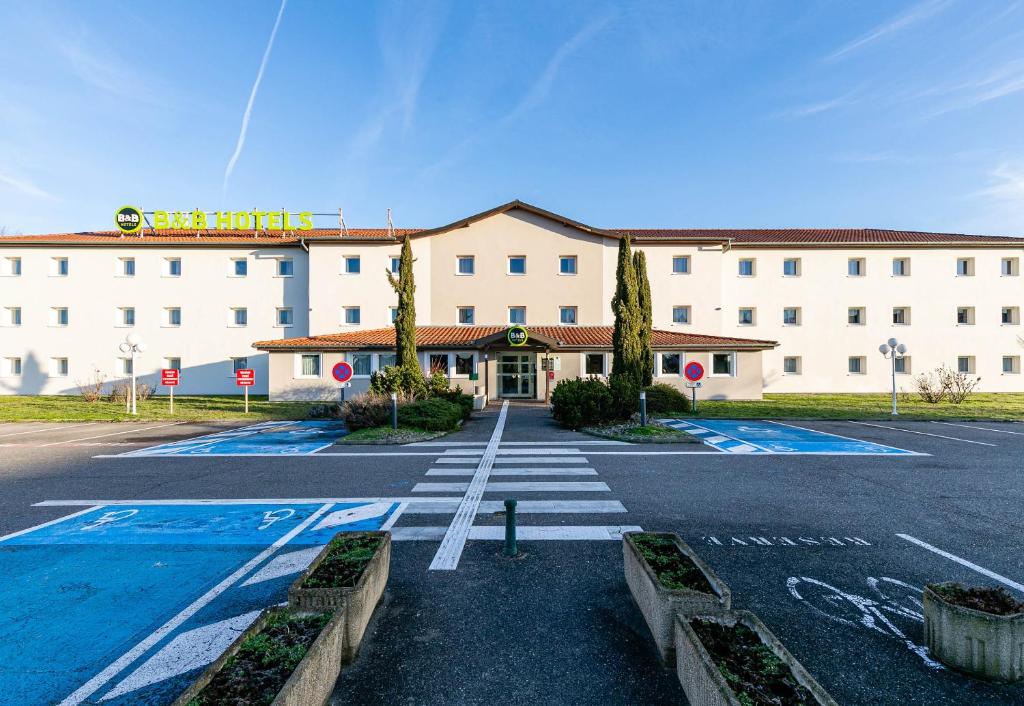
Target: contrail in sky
[252,98]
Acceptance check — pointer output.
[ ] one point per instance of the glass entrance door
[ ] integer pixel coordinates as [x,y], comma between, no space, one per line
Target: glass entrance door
[517,375]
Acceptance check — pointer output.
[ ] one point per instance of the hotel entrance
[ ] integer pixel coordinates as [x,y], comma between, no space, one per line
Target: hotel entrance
[517,375]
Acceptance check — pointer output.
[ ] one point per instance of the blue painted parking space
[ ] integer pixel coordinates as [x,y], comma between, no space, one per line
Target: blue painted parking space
[264,439]
[124,604]
[766,437]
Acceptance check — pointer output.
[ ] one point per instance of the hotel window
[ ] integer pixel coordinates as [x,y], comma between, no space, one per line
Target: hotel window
[126,316]
[394,313]
[681,265]
[594,364]
[567,265]
[309,365]
[791,365]
[466,265]
[856,365]
[12,367]
[669,363]
[59,316]
[965,364]
[791,316]
[747,316]
[58,367]
[463,363]
[12,267]
[239,267]
[747,268]
[903,365]
[567,315]
[126,365]
[1011,315]
[965,315]
[965,267]
[856,267]
[58,267]
[352,315]
[285,267]
[856,316]
[172,363]
[1011,365]
[239,316]
[901,315]
[13,316]
[387,360]
[467,315]
[126,267]
[172,267]
[517,264]
[352,265]
[438,363]
[680,314]
[791,267]
[517,314]
[396,264]
[284,316]
[901,267]
[1010,267]
[361,363]
[723,364]
[241,363]
[172,316]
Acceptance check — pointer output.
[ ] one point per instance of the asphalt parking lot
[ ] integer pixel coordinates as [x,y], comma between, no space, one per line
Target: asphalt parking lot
[830,545]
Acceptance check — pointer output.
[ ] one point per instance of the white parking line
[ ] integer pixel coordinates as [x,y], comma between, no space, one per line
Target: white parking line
[116,433]
[51,522]
[848,438]
[38,431]
[570,471]
[923,433]
[963,562]
[968,426]
[518,487]
[525,532]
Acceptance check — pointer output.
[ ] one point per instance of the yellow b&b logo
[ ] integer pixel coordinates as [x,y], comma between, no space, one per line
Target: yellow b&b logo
[128,219]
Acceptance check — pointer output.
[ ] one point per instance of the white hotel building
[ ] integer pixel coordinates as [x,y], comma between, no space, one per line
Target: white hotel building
[788,310]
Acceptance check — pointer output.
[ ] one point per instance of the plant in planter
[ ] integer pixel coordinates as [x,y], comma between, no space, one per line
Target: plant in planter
[977,630]
[732,659]
[666,577]
[349,575]
[285,658]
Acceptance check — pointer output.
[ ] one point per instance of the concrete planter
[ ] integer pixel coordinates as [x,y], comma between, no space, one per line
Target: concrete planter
[312,681]
[356,602]
[658,604]
[700,677]
[981,644]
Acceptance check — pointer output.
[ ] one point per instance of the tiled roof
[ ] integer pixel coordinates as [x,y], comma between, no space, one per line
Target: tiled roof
[207,237]
[811,236]
[471,336]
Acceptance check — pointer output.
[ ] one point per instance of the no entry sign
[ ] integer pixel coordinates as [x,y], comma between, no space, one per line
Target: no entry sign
[245,377]
[342,371]
[693,371]
[169,377]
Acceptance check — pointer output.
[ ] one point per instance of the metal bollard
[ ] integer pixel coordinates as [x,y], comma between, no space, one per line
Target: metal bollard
[643,408]
[394,410]
[510,527]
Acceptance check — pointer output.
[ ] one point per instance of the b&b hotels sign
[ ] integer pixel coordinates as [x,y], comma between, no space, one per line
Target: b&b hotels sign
[129,219]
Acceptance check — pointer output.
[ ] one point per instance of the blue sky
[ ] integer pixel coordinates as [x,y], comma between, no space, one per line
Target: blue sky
[698,114]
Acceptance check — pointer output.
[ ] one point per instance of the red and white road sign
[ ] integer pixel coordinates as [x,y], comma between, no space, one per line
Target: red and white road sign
[169,377]
[693,371]
[342,371]
[245,377]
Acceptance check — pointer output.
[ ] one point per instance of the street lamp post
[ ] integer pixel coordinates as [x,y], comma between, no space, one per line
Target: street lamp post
[893,350]
[132,344]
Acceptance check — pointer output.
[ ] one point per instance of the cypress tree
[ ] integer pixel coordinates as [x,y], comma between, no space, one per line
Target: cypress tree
[625,306]
[405,318]
[646,318]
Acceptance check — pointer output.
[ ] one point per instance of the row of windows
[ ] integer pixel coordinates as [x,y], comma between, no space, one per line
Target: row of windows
[858,365]
[125,316]
[857,267]
[58,367]
[855,315]
[60,267]
[466,265]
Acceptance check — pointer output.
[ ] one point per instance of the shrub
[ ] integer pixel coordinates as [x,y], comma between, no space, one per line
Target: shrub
[663,398]
[434,414]
[407,382]
[438,383]
[958,386]
[121,391]
[929,388]
[464,401]
[92,391]
[625,396]
[330,410]
[576,402]
[369,410]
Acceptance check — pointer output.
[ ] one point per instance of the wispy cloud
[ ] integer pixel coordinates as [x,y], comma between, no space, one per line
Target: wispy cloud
[24,186]
[999,83]
[252,99]
[865,157]
[917,13]
[97,67]
[804,111]
[1007,184]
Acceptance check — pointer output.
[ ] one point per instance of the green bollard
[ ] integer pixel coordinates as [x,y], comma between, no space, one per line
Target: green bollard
[510,527]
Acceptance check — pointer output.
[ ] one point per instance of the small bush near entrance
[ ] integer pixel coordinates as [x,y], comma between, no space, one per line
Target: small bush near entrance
[434,414]
[407,382]
[578,403]
[364,411]
[662,398]
[460,398]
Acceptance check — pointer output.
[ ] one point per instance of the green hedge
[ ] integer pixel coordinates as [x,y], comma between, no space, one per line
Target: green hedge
[434,414]
[576,402]
[662,398]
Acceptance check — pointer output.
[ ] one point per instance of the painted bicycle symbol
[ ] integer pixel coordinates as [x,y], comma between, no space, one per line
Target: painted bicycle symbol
[894,610]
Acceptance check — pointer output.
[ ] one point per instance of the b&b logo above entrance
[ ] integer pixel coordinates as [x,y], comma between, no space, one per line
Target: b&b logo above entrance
[128,219]
[517,336]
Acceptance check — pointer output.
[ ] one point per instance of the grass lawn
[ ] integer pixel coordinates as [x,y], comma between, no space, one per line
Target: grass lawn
[387,435]
[635,432]
[71,408]
[991,406]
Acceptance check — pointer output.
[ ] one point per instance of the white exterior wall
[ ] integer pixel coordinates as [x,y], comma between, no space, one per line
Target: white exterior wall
[93,291]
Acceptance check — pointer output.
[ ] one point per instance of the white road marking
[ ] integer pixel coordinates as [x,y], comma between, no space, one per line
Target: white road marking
[588,442]
[515,472]
[513,452]
[448,506]
[290,563]
[448,554]
[62,427]
[963,562]
[235,501]
[92,506]
[352,514]
[922,433]
[518,487]
[390,522]
[526,532]
[718,433]
[968,426]
[848,438]
[116,667]
[116,433]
